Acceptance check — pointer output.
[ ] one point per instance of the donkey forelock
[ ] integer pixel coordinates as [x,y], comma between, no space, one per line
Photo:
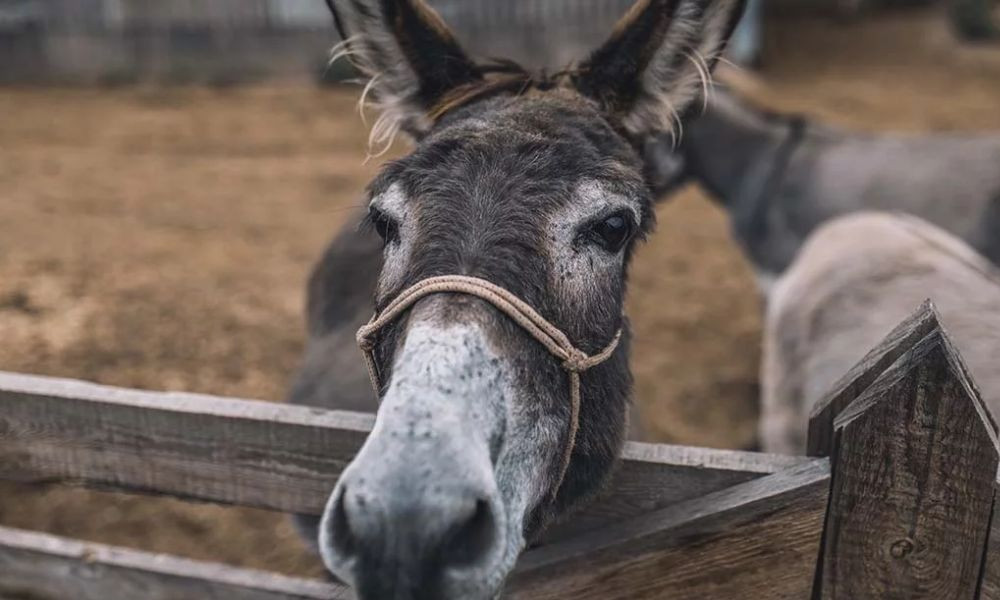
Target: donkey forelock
[534,184]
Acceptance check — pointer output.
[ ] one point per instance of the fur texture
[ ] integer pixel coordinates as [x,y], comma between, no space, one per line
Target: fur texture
[512,175]
[734,150]
[855,280]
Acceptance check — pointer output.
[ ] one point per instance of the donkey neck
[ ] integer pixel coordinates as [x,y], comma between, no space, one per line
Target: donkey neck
[731,147]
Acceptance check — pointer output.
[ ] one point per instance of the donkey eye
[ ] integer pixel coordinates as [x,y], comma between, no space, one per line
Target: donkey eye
[384,225]
[612,232]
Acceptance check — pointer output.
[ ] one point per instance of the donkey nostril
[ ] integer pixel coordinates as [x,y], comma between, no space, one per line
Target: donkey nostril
[472,541]
[341,536]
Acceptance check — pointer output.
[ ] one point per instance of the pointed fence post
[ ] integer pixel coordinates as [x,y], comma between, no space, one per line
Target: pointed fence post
[851,385]
[914,459]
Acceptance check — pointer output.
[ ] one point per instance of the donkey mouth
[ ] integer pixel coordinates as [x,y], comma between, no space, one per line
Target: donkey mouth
[403,544]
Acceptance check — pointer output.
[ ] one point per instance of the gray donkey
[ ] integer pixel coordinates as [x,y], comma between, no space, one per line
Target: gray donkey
[855,279]
[780,177]
[529,182]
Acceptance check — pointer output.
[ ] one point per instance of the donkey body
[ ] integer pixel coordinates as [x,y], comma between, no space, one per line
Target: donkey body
[780,177]
[339,295]
[531,183]
[855,279]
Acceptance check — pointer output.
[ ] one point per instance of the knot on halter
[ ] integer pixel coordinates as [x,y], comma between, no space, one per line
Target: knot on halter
[366,340]
[574,361]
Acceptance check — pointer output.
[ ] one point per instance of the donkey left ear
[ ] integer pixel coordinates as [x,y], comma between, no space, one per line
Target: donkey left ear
[658,61]
[409,54]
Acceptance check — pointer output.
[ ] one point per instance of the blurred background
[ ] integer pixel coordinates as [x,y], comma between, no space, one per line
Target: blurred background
[170,169]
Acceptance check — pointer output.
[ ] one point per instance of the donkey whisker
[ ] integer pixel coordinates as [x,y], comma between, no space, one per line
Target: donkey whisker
[363,103]
[344,49]
[725,61]
[383,132]
[701,66]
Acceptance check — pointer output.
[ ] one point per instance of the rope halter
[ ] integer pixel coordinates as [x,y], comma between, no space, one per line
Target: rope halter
[573,360]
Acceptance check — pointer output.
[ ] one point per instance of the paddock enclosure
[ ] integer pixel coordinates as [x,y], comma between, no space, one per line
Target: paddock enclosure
[897,497]
[159,238]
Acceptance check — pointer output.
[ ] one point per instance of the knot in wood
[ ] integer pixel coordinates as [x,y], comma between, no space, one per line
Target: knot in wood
[902,548]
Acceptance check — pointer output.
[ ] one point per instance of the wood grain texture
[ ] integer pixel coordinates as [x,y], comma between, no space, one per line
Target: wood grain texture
[915,463]
[989,588]
[200,447]
[652,477]
[34,566]
[900,341]
[274,456]
[755,540]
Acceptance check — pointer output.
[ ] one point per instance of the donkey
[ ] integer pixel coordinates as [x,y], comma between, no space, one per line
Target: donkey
[781,176]
[529,187]
[856,278]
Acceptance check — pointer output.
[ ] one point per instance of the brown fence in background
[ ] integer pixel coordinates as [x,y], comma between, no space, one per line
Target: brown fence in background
[181,41]
[897,500]
[119,41]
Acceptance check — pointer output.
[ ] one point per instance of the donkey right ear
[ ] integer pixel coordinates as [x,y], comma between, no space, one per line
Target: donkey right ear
[409,54]
[658,61]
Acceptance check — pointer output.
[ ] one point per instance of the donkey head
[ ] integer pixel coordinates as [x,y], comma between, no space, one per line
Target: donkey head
[536,185]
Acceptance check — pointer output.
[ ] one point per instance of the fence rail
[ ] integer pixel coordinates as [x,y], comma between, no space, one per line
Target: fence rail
[273,456]
[901,504]
[308,14]
[120,41]
[46,567]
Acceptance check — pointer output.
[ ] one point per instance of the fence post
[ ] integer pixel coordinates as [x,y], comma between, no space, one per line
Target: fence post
[852,384]
[914,460]
[990,588]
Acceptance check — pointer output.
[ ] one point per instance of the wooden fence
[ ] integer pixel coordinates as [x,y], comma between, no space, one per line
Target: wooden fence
[896,500]
[121,41]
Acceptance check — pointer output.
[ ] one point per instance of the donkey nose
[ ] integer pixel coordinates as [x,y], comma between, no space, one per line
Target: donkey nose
[457,531]
[389,542]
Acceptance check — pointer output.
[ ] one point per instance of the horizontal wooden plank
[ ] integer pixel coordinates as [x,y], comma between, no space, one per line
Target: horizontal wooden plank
[654,476]
[274,456]
[43,567]
[755,540]
[192,446]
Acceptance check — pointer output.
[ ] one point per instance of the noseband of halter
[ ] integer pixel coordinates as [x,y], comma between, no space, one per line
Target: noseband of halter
[574,361]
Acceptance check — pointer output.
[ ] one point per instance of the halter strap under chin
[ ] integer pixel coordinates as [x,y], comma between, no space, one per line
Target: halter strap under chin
[574,361]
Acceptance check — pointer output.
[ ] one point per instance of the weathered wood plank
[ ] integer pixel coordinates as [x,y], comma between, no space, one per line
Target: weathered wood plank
[43,567]
[654,476]
[755,540]
[200,447]
[915,462]
[990,585]
[273,456]
[900,341]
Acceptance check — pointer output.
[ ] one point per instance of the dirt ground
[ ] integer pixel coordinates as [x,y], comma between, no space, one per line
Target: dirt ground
[161,238]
